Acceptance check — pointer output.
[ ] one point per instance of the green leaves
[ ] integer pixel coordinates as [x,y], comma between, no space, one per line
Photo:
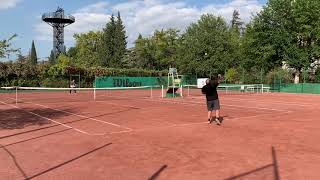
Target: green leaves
[5,47]
[86,51]
[158,51]
[205,47]
[113,44]
[287,31]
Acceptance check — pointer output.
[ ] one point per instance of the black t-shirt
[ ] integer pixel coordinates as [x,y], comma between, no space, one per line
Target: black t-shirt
[210,90]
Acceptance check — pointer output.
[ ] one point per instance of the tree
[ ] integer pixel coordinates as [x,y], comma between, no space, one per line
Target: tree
[142,50]
[303,47]
[33,55]
[158,51]
[63,60]
[86,51]
[285,31]
[235,39]
[236,23]
[265,36]
[166,47]
[130,60]
[205,47]
[52,58]
[120,41]
[72,52]
[108,43]
[21,58]
[113,45]
[5,47]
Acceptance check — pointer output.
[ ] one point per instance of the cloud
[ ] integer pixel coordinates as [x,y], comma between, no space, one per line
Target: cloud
[5,4]
[148,18]
[245,7]
[145,16]
[97,7]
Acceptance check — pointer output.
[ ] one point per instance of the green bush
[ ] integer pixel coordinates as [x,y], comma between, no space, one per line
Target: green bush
[232,76]
[55,82]
[22,74]
[280,76]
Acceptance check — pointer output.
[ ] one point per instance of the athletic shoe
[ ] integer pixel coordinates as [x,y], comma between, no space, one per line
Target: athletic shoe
[218,121]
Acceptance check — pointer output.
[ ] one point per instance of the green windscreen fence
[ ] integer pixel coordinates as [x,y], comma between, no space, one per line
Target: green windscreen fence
[103,82]
[308,88]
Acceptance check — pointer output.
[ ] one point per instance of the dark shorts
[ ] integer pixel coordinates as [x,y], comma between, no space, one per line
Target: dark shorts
[213,105]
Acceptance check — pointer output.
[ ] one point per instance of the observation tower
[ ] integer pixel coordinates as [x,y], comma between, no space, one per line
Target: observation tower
[58,20]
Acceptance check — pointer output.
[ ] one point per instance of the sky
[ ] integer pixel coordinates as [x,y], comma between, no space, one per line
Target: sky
[23,17]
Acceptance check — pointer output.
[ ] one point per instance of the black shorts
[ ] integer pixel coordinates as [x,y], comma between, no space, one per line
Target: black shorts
[213,105]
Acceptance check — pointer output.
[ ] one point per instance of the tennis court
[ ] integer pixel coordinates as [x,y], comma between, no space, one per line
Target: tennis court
[137,134]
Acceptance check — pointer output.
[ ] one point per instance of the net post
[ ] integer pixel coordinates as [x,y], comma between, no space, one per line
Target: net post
[151,93]
[181,91]
[94,88]
[188,90]
[173,85]
[94,93]
[16,96]
[162,91]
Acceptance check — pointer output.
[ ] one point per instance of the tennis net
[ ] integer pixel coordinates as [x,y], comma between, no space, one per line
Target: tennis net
[53,95]
[193,90]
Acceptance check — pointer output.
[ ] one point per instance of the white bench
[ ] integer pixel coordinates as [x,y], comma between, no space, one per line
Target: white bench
[266,88]
[262,89]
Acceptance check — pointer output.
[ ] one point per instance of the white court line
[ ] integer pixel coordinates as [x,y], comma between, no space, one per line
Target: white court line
[105,122]
[132,107]
[191,124]
[271,102]
[173,102]
[120,132]
[161,127]
[70,127]
[197,102]
[260,108]
[125,106]
[197,123]
[260,101]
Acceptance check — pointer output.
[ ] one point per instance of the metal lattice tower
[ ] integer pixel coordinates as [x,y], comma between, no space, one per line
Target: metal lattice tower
[58,21]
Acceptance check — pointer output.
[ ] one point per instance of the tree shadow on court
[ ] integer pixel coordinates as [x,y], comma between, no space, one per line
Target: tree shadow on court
[157,173]
[267,172]
[14,161]
[20,118]
[55,125]
[51,168]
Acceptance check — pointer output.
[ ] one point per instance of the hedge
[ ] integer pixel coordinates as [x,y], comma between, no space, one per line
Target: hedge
[22,74]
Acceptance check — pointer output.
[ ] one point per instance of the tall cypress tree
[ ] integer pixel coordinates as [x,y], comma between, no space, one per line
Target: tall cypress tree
[108,47]
[120,41]
[114,44]
[236,23]
[33,55]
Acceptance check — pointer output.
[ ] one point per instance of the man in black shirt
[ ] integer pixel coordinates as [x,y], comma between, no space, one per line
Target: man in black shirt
[213,104]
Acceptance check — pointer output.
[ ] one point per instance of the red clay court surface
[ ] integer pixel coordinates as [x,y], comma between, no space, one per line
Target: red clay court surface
[263,136]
